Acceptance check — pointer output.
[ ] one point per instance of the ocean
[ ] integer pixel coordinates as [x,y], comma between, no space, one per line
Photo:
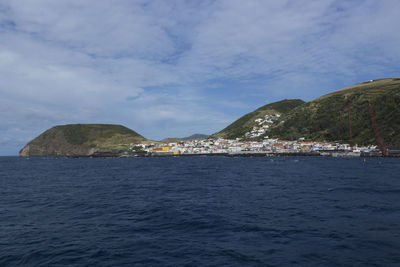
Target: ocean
[199,211]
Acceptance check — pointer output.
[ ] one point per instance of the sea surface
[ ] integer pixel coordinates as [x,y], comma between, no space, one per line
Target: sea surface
[199,211]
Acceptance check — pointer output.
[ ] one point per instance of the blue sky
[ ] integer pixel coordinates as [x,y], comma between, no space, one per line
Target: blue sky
[174,68]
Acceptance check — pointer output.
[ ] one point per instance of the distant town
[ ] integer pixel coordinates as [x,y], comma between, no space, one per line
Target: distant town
[238,147]
[247,147]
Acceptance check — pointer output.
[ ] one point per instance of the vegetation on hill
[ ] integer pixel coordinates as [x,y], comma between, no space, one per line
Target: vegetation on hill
[171,140]
[326,118]
[189,138]
[82,140]
[78,134]
[195,137]
[244,124]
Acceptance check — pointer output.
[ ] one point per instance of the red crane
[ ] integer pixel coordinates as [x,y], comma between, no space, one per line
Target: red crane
[378,137]
[350,124]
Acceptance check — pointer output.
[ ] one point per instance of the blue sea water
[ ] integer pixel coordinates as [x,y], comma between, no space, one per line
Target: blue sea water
[199,211]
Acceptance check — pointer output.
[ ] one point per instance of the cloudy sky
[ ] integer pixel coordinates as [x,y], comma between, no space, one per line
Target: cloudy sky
[174,68]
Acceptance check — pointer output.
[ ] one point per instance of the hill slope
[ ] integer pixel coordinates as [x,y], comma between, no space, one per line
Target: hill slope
[195,137]
[247,123]
[82,140]
[171,140]
[326,118]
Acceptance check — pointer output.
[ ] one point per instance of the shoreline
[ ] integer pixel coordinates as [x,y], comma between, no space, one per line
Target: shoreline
[334,154]
[243,154]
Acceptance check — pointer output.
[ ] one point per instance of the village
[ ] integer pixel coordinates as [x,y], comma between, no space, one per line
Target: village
[238,147]
[262,125]
[248,147]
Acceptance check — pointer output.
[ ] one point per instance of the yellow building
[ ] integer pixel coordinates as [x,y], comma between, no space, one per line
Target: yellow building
[161,149]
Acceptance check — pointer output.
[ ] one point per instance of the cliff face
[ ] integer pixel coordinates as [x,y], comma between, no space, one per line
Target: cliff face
[82,140]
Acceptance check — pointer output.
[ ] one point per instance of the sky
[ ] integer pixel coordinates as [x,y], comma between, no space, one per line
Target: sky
[178,67]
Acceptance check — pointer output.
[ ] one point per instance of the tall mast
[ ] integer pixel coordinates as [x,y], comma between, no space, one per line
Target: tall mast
[375,126]
[350,124]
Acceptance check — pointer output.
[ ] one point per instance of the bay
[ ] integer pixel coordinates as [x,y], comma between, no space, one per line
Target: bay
[199,211]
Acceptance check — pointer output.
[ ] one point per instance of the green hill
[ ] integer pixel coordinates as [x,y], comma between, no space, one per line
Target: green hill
[189,138]
[82,140]
[326,118]
[171,140]
[195,137]
[246,123]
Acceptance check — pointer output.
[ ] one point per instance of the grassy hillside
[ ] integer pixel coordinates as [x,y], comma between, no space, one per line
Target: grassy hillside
[82,139]
[189,138]
[247,122]
[171,140]
[326,118]
[195,137]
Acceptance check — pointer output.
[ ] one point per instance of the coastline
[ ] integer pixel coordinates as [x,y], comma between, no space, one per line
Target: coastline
[338,154]
[316,153]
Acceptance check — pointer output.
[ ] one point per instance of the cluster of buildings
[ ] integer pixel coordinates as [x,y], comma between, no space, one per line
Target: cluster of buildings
[262,125]
[247,146]
[242,147]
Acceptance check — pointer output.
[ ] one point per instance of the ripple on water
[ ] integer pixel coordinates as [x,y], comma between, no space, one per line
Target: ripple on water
[199,211]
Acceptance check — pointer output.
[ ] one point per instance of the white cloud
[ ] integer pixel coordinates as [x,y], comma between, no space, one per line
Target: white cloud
[184,66]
